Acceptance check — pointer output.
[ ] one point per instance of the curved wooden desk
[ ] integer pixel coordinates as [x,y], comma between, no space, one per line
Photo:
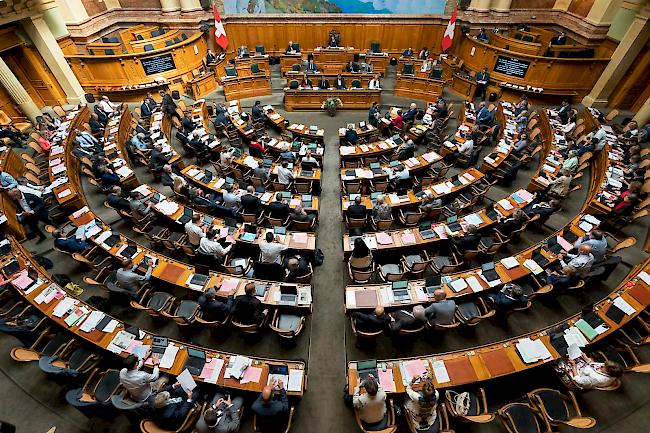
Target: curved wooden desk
[426,89]
[35,294]
[572,78]
[490,361]
[309,99]
[246,87]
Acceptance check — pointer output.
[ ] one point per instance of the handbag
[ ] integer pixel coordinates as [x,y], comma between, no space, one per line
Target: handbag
[460,402]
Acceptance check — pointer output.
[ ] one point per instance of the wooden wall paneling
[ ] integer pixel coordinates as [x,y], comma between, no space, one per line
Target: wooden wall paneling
[581,7]
[634,84]
[7,104]
[532,4]
[13,59]
[42,79]
[94,7]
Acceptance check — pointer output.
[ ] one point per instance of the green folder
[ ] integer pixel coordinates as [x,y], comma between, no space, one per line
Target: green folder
[586,329]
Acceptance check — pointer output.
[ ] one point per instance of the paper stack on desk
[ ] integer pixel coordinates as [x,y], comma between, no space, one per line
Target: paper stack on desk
[212,370]
[532,351]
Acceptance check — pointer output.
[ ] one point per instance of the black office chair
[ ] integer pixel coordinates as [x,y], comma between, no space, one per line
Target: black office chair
[148,47]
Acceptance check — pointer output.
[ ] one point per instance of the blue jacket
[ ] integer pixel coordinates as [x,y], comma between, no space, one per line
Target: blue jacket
[484,116]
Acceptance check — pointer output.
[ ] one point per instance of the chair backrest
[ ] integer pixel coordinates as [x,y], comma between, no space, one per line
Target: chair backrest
[231,72]
[255,68]
[407,69]
[293,84]
[148,47]
[356,84]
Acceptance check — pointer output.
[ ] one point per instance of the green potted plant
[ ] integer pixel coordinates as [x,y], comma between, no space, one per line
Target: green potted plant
[331,105]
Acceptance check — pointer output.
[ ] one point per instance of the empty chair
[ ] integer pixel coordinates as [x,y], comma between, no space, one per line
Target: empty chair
[416,264]
[471,313]
[287,325]
[183,313]
[521,418]
[391,272]
[558,408]
[99,388]
[154,303]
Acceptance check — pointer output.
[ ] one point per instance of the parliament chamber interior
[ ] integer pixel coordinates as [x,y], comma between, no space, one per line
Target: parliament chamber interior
[180,251]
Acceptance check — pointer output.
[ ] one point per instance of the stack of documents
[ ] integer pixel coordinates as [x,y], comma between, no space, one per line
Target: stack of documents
[532,351]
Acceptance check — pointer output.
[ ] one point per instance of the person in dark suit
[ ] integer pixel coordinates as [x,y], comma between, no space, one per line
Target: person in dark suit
[271,410]
[210,57]
[187,124]
[158,159]
[542,208]
[101,115]
[340,83]
[357,210]
[483,36]
[140,128]
[563,112]
[167,176]
[70,244]
[333,43]
[279,208]
[408,52]
[212,308]
[250,203]
[145,108]
[247,308]
[469,241]
[258,113]
[482,81]
[108,178]
[171,405]
[296,267]
[311,66]
[511,296]
[409,115]
[371,322]
[96,126]
[404,319]
[116,200]
[30,209]
[323,83]
[351,135]
[512,223]
[559,39]
[222,416]
[168,105]
[289,48]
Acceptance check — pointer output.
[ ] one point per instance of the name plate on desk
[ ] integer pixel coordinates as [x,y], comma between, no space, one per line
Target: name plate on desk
[158,64]
[511,66]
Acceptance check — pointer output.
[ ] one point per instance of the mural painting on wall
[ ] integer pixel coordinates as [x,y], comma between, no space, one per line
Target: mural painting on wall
[334,6]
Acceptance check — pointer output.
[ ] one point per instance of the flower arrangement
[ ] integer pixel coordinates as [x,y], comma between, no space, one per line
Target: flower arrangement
[331,105]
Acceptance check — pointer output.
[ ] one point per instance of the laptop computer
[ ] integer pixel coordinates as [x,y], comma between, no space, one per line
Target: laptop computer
[367,367]
[129,251]
[195,361]
[10,268]
[261,289]
[489,271]
[401,291]
[432,283]
[280,230]
[363,126]
[199,280]
[427,234]
[187,215]
[159,344]
[288,295]
[112,240]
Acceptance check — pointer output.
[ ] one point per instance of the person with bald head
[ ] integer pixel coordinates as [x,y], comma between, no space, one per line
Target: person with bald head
[296,267]
[409,320]
[442,311]
[572,267]
[371,322]
[598,243]
[271,408]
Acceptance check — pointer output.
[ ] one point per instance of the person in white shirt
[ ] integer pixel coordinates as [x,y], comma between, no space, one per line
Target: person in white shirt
[585,373]
[140,384]
[421,406]
[230,199]
[399,173]
[371,405]
[600,137]
[209,246]
[226,157]
[285,176]
[374,84]
[598,243]
[195,232]
[308,158]
[271,249]
[106,105]
[466,148]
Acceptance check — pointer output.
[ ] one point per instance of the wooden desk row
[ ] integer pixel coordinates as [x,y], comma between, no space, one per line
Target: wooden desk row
[45,295]
[471,365]
[248,162]
[415,133]
[417,163]
[348,77]
[368,150]
[246,87]
[379,61]
[172,212]
[309,99]
[363,133]
[419,238]
[196,174]
[278,147]
[508,137]
[177,273]
[428,89]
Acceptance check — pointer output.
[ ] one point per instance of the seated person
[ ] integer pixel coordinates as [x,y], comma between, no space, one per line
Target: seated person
[356,209]
[361,257]
[571,270]
[598,243]
[108,178]
[559,39]
[374,114]
[285,175]
[250,202]
[409,115]
[211,249]
[308,162]
[506,225]
[407,320]
[167,177]
[381,210]
[370,322]
[212,308]
[442,311]
[311,67]
[289,49]
[421,405]
[511,296]
[542,208]
[271,249]
[172,404]
[469,241]
[300,215]
[116,200]
[340,83]
[371,405]
[247,309]
[139,384]
[195,230]
[296,267]
[561,186]
[585,373]
[424,54]
[482,36]
[130,280]
[408,52]
[429,203]
[305,83]
[271,408]
[521,146]
[405,150]
[140,208]
[323,83]
[221,416]
[71,244]
[279,208]
[139,141]
[398,121]
[351,135]
[158,159]
[231,200]
[257,112]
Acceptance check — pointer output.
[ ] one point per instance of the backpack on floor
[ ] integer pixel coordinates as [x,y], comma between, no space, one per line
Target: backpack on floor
[319,257]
